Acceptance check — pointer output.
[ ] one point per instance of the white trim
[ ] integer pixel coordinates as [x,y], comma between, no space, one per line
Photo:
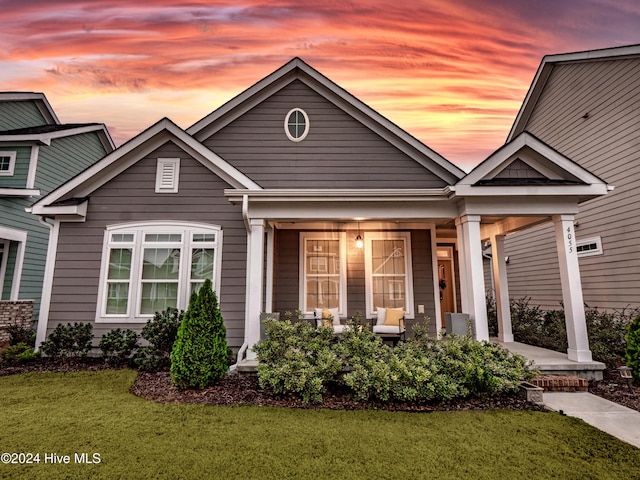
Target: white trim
[21,238]
[33,166]
[12,162]
[19,192]
[269,261]
[47,283]
[167,175]
[589,241]
[342,278]
[305,132]
[4,255]
[369,237]
[45,138]
[137,246]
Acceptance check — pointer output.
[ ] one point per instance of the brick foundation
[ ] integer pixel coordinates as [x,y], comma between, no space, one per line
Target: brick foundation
[561,383]
[14,313]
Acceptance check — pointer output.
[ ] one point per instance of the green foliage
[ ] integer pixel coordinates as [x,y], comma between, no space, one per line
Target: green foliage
[606,330]
[200,356]
[302,360]
[160,332]
[18,353]
[632,351]
[70,340]
[21,334]
[296,358]
[118,345]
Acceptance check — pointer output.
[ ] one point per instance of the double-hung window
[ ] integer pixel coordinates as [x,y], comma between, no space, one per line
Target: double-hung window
[147,268]
[388,274]
[323,272]
[7,162]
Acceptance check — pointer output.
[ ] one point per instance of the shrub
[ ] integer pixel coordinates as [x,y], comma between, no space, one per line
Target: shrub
[607,334]
[199,356]
[296,358]
[160,332]
[632,351]
[118,345]
[71,340]
[21,334]
[18,354]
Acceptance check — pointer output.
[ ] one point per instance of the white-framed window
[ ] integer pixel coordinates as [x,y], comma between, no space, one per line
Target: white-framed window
[148,267]
[589,247]
[167,175]
[323,271]
[7,163]
[296,125]
[388,272]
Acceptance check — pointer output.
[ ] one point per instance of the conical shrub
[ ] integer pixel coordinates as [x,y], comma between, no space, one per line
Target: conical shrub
[199,356]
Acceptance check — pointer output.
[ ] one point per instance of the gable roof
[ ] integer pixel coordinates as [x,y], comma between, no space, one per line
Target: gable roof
[546,67]
[528,166]
[297,69]
[39,99]
[70,195]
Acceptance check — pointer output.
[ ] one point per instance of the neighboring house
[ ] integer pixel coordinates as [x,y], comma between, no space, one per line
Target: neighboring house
[267,196]
[586,105]
[37,154]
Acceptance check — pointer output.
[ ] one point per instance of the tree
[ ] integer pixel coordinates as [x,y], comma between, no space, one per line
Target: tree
[199,356]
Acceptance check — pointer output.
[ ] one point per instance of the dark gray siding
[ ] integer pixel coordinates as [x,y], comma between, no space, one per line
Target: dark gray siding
[339,152]
[606,142]
[130,197]
[286,275]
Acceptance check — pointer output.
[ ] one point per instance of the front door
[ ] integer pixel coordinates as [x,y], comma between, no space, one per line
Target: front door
[446,281]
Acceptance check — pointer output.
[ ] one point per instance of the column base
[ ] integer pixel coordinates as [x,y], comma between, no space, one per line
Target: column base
[579,355]
[505,338]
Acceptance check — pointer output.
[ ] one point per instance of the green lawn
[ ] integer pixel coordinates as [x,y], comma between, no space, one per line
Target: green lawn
[93,412]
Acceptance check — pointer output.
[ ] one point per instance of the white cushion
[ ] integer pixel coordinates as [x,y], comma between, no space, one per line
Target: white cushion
[387,329]
[317,312]
[339,328]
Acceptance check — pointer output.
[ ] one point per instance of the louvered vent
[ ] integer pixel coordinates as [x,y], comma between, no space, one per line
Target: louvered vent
[167,175]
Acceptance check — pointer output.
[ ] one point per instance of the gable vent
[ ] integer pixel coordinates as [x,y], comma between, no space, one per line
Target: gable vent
[167,175]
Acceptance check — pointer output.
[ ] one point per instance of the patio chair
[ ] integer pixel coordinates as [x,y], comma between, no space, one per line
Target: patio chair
[390,324]
[328,317]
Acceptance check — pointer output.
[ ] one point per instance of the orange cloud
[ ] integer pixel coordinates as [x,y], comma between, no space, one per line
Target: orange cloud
[451,73]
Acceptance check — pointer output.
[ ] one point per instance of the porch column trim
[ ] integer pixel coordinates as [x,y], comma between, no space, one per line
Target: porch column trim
[255,284]
[499,266]
[468,227]
[577,337]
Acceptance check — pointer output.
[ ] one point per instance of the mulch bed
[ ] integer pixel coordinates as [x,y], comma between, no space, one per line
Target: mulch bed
[616,389]
[244,390]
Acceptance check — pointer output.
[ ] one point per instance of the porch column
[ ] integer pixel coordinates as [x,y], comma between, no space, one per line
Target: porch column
[577,337]
[468,227]
[255,276]
[505,333]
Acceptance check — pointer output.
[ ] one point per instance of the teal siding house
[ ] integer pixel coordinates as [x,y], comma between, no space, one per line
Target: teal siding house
[37,154]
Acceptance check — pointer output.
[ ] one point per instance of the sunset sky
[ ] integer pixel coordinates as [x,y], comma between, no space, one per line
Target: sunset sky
[452,73]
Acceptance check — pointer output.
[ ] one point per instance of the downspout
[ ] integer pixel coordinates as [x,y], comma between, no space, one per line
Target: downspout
[245,217]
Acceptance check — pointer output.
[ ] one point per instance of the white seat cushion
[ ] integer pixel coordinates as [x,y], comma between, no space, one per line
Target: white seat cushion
[387,329]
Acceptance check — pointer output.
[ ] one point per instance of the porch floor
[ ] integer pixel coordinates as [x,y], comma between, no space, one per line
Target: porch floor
[550,362]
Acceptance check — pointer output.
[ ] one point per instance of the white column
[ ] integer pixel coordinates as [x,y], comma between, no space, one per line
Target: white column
[577,337]
[255,275]
[474,273]
[505,333]
[268,291]
[462,266]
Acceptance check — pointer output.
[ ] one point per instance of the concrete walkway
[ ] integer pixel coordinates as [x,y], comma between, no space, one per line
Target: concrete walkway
[610,417]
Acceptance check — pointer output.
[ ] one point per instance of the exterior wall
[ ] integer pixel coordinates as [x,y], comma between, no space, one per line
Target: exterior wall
[607,143]
[131,197]
[286,275]
[338,152]
[14,313]
[20,114]
[58,162]
[21,168]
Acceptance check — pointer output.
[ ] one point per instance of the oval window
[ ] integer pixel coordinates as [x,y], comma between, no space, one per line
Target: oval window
[296,124]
